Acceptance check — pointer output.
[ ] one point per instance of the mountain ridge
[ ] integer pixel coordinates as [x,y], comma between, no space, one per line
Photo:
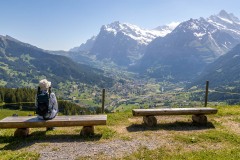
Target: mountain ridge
[122,43]
[183,53]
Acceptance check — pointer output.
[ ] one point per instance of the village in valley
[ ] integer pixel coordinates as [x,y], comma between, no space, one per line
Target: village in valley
[132,93]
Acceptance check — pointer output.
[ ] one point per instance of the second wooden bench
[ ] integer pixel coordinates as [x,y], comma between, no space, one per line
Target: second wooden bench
[198,114]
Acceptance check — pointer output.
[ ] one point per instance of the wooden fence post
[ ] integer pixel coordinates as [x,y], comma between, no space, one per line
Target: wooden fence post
[103,99]
[206,94]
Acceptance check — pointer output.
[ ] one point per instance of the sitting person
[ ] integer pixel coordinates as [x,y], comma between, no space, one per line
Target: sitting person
[46,102]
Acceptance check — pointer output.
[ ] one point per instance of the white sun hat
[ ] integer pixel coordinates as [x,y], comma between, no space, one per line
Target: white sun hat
[44,84]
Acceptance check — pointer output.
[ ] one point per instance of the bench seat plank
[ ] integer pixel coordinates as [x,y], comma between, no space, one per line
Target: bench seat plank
[173,111]
[59,121]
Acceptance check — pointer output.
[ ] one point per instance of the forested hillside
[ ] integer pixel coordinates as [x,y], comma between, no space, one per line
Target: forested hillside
[23,65]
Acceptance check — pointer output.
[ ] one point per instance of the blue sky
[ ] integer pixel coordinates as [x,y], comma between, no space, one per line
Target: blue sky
[64,24]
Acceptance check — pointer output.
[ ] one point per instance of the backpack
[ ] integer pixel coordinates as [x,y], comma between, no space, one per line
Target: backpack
[43,102]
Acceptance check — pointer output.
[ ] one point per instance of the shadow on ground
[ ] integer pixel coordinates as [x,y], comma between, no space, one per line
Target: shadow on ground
[176,126]
[15,143]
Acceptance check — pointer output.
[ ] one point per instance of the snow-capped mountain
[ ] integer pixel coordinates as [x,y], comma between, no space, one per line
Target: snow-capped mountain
[165,29]
[227,23]
[183,53]
[205,34]
[122,43]
[176,51]
[142,36]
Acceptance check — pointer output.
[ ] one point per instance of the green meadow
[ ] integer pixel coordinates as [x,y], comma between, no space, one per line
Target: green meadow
[174,137]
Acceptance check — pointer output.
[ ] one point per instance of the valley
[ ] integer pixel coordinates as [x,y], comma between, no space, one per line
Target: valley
[130,92]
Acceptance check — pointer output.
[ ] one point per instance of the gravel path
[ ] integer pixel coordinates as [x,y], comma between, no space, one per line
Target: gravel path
[111,149]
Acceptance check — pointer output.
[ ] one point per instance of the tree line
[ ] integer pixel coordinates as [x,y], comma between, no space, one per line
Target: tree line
[17,95]
[21,95]
[68,108]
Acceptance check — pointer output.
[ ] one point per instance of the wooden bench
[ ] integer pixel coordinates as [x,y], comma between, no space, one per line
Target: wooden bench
[198,114]
[23,123]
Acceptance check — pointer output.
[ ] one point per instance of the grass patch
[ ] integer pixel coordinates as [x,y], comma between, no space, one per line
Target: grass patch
[237,119]
[233,153]
[211,136]
[6,155]
[228,110]
[146,154]
[220,136]
[7,112]
[165,154]
[106,132]
[126,138]
[119,118]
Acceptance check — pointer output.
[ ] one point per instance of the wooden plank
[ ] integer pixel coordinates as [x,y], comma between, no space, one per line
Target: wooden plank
[173,111]
[59,121]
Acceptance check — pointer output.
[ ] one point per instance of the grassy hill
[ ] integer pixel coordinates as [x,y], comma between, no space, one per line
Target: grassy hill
[125,137]
[22,64]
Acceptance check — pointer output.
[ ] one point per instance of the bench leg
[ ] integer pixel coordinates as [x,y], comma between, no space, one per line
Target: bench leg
[87,131]
[200,119]
[21,132]
[150,121]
